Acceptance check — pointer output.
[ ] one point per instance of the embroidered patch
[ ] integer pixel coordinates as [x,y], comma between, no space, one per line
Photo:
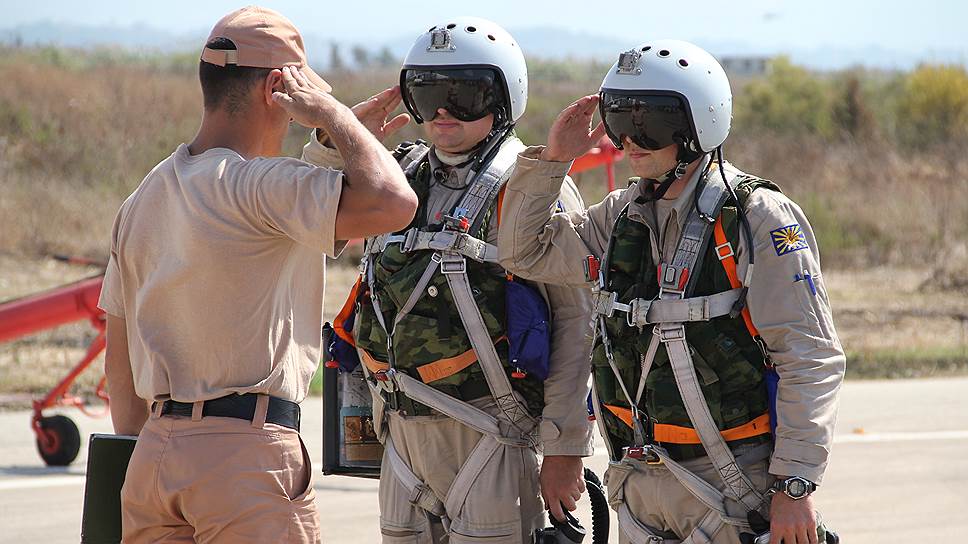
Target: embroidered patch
[788,239]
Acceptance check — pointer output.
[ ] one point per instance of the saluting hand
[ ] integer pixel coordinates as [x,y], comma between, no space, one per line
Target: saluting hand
[309,105]
[571,135]
[374,111]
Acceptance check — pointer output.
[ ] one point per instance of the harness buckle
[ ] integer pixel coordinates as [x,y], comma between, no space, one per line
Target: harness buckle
[643,453]
[605,302]
[672,334]
[409,239]
[385,379]
[727,254]
[638,314]
[453,266]
[394,239]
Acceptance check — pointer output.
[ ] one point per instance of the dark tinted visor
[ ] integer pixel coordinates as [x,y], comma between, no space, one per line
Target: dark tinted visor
[650,121]
[468,94]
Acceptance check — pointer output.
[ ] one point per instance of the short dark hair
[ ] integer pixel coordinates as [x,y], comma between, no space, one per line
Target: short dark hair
[227,87]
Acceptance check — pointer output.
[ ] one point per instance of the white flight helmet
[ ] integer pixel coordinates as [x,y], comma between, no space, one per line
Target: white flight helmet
[677,69]
[468,43]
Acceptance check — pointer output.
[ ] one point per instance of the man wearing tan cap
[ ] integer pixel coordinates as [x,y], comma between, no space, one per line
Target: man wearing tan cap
[214,294]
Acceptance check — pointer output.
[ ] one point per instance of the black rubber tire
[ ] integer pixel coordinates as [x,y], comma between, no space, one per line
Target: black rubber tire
[65,441]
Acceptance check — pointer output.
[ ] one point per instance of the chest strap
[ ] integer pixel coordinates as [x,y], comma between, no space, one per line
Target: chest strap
[418,240]
[640,312]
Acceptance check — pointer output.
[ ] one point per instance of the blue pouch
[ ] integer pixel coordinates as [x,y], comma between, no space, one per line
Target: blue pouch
[772,384]
[528,329]
[342,346]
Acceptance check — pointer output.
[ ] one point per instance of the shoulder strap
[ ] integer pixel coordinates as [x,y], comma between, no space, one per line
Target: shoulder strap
[486,183]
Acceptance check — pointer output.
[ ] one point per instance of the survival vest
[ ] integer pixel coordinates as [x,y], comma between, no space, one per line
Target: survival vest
[409,292]
[728,360]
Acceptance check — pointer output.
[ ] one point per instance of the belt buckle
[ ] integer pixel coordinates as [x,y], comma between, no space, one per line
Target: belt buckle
[672,334]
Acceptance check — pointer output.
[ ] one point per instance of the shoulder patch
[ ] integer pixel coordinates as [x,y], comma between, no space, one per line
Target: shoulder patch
[559,207]
[788,239]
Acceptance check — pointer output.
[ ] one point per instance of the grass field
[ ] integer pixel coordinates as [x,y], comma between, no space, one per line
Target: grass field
[891,325]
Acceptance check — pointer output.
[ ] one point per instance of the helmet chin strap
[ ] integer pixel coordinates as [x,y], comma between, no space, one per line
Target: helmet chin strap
[658,187]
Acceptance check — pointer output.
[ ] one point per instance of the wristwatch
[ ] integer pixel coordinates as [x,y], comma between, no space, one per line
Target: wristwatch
[796,487]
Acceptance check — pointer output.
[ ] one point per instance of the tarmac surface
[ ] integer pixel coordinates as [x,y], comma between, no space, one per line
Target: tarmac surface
[898,473]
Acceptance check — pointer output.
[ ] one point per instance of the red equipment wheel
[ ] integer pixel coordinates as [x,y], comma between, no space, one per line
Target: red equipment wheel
[61,441]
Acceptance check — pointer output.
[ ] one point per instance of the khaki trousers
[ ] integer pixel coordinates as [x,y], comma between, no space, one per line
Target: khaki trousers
[217,479]
[657,500]
[504,503]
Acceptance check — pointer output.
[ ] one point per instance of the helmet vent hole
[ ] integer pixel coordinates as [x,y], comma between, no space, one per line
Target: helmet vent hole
[683,62]
[491,37]
[451,25]
[471,29]
[646,48]
[664,53]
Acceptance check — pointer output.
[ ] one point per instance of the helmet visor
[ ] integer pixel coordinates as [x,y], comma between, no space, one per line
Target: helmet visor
[650,121]
[468,94]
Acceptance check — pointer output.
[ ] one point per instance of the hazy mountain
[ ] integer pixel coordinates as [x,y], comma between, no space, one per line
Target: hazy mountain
[542,41]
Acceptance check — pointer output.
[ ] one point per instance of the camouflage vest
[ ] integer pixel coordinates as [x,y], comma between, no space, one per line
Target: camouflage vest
[728,361]
[432,330]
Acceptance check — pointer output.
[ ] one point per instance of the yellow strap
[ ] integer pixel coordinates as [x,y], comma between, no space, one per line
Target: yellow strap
[674,434]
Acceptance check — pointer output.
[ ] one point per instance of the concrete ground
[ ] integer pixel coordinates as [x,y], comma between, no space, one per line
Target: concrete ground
[898,473]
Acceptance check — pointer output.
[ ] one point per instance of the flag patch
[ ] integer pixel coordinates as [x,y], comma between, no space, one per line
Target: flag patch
[788,239]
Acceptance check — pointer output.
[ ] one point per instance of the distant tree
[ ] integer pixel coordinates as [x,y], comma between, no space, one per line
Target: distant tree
[788,99]
[933,107]
[386,59]
[361,57]
[336,63]
[851,113]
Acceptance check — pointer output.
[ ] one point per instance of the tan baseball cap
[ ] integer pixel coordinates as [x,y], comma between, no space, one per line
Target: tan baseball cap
[263,38]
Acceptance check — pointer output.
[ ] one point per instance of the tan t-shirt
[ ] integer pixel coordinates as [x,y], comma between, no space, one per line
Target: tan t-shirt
[217,267]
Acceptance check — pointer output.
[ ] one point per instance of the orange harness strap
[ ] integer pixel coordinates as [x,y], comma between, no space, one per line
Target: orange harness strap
[674,434]
[429,372]
[724,250]
[339,323]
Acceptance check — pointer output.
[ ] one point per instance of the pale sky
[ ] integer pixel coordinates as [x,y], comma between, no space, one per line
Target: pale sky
[920,26]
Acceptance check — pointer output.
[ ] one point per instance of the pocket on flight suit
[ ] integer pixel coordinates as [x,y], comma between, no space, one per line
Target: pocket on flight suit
[302,500]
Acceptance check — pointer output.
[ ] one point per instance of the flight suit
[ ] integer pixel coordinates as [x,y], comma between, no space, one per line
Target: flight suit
[503,504]
[787,301]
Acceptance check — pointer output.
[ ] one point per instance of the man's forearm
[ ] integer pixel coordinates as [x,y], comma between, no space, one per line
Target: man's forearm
[372,165]
[128,411]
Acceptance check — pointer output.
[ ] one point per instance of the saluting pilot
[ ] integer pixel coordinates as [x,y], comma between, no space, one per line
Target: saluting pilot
[697,355]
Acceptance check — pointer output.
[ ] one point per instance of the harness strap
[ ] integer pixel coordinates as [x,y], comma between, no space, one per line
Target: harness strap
[420,493]
[494,373]
[727,258]
[675,434]
[641,312]
[415,239]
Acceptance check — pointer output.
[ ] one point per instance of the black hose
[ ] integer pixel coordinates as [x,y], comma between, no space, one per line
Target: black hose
[600,519]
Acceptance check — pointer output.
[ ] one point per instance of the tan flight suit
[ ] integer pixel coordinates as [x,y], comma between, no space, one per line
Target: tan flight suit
[503,504]
[793,319]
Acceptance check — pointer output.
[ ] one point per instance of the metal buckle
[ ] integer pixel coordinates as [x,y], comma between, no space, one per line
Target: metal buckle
[672,334]
[636,310]
[453,266]
[408,240]
[385,379]
[643,453]
[605,302]
[720,254]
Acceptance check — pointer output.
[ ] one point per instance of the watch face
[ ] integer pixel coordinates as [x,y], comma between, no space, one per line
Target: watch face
[796,488]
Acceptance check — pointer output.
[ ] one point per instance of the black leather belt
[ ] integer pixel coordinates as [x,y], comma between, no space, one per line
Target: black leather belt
[280,412]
